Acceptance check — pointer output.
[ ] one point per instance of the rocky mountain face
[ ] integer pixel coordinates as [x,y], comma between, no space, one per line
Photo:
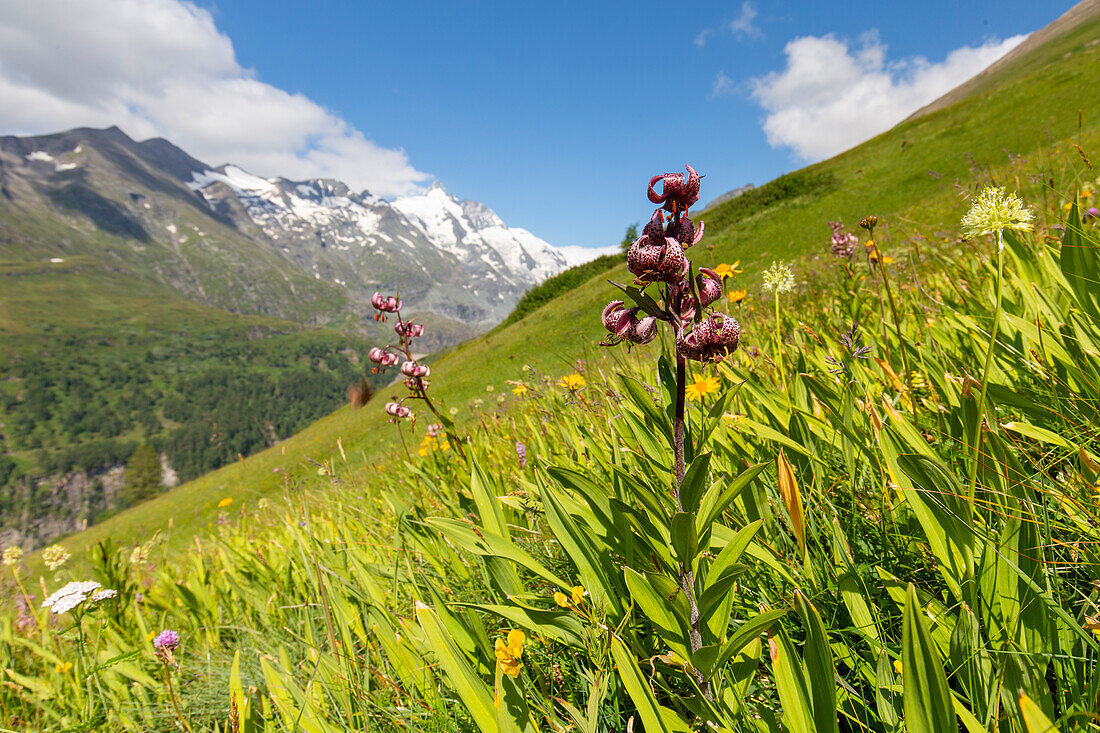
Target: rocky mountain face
[452,258]
[309,251]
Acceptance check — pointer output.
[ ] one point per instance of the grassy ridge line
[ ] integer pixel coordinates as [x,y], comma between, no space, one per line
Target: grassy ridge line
[906,175]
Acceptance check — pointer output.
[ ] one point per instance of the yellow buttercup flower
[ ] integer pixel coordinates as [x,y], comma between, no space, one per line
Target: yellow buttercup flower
[508,653]
[701,386]
[225,502]
[520,389]
[561,599]
[63,667]
[736,296]
[578,594]
[572,382]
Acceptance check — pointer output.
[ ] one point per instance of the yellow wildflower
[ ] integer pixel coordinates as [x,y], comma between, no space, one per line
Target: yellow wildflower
[63,667]
[561,599]
[572,382]
[736,296]
[225,502]
[519,389]
[701,386]
[897,667]
[445,445]
[508,654]
[724,270]
[578,594]
[422,452]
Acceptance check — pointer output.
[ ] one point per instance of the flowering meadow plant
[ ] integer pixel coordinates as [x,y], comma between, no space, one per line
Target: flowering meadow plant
[416,374]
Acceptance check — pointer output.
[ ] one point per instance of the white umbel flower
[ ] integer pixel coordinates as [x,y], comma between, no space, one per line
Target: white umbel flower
[994,211]
[779,278]
[70,596]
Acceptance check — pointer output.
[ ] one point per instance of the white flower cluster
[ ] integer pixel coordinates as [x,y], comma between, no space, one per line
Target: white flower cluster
[55,556]
[779,278]
[73,594]
[995,210]
[12,556]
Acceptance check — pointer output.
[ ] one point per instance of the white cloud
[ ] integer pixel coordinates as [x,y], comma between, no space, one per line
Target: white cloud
[742,26]
[576,254]
[162,68]
[723,85]
[832,96]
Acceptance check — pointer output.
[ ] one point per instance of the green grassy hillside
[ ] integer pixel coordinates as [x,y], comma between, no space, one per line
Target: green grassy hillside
[882,527]
[914,177]
[97,362]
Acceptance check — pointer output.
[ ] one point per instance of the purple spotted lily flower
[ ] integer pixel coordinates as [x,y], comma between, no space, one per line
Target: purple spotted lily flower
[385,304]
[660,256]
[412,330]
[711,340]
[710,286]
[651,262]
[624,324]
[412,369]
[398,410]
[677,193]
[381,357]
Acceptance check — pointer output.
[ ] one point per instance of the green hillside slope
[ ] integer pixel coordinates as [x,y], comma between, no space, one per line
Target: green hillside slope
[914,177]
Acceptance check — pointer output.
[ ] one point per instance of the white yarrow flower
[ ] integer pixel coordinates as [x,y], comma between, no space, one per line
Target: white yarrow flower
[70,596]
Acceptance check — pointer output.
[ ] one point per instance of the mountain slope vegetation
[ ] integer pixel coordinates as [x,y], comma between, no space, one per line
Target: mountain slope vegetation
[885,526]
[915,177]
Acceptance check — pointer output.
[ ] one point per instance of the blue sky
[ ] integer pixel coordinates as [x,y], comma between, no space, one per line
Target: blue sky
[553,114]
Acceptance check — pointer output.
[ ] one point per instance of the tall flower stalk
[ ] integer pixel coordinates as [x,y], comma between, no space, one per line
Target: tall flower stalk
[992,212]
[416,374]
[658,258]
[869,224]
[779,279]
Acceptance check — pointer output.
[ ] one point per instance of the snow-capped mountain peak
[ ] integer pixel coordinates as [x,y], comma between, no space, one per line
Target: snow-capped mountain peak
[363,242]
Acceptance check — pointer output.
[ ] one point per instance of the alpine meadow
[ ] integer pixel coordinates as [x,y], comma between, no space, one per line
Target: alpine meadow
[821,456]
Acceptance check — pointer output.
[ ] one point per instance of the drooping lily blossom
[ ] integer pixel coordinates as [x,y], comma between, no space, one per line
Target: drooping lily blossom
[624,324]
[386,304]
[412,369]
[652,262]
[677,192]
[382,357]
[711,340]
[710,286]
[398,410]
[412,330]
